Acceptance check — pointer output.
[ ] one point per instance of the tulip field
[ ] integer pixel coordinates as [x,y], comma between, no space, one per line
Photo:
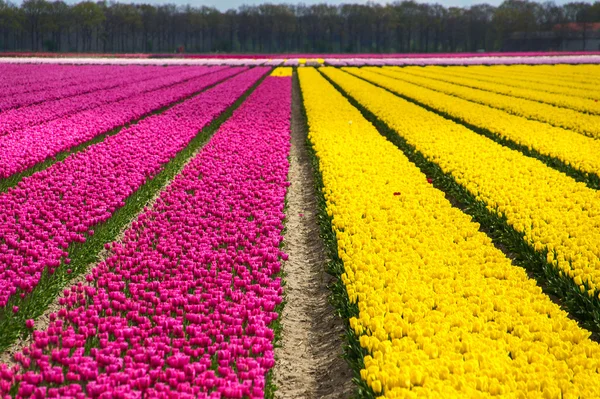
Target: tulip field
[145,234]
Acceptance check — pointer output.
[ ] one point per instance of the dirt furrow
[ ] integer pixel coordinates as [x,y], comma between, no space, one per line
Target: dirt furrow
[309,362]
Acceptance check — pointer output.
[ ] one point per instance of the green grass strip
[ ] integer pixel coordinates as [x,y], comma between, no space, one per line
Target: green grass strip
[276,325]
[14,179]
[584,309]
[592,180]
[353,353]
[12,326]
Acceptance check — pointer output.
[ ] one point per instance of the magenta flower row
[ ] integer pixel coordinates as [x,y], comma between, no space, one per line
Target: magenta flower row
[184,305]
[29,79]
[46,212]
[125,86]
[18,79]
[61,88]
[25,148]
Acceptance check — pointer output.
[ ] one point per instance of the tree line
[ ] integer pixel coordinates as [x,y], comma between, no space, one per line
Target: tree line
[406,26]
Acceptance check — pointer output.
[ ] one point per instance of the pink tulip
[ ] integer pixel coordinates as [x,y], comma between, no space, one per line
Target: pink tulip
[141,150]
[168,294]
[49,100]
[26,147]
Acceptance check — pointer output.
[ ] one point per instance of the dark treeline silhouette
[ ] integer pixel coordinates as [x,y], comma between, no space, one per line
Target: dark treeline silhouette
[407,26]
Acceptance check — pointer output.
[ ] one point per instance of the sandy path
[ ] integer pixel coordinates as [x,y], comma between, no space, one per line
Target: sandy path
[309,363]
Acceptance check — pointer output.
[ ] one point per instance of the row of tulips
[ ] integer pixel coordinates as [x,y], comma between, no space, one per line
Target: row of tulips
[87,82]
[12,71]
[563,74]
[485,60]
[25,148]
[183,307]
[274,62]
[126,86]
[578,151]
[45,213]
[572,85]
[400,60]
[557,217]
[586,124]
[532,92]
[19,79]
[442,312]
[547,77]
[81,61]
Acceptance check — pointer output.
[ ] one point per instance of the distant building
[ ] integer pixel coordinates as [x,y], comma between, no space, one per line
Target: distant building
[574,36]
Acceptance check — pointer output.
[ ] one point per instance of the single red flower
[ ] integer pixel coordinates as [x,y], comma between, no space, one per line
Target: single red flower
[396,193]
[429,180]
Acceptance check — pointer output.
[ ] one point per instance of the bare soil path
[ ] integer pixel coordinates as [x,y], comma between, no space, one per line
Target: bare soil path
[309,362]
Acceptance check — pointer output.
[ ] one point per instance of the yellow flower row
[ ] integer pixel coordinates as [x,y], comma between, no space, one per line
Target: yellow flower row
[572,148]
[304,61]
[571,73]
[558,77]
[545,91]
[551,210]
[442,312]
[532,93]
[282,71]
[562,117]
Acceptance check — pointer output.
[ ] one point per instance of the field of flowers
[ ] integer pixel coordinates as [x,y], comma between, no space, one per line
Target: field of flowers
[143,211]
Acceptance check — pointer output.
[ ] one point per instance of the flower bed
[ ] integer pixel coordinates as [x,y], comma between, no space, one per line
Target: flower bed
[562,117]
[54,208]
[575,151]
[93,80]
[19,79]
[27,147]
[127,85]
[184,305]
[441,311]
[532,92]
[554,217]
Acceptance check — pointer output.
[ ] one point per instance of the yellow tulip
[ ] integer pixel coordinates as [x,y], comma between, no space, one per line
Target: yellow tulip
[441,307]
